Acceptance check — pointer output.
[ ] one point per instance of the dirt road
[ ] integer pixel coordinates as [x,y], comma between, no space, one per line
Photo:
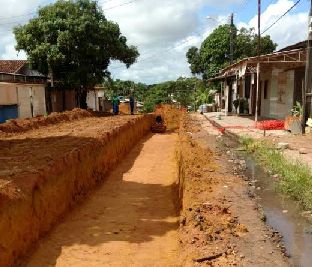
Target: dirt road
[129,221]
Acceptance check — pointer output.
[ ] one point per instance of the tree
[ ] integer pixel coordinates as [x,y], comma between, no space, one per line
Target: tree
[214,52]
[73,43]
[184,91]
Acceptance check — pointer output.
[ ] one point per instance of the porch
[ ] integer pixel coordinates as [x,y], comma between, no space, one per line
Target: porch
[240,126]
[280,85]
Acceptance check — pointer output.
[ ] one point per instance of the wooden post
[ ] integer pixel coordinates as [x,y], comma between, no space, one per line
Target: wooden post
[257,91]
[258,64]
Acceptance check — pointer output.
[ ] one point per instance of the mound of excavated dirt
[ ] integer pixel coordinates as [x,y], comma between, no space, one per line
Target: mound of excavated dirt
[171,115]
[219,224]
[22,125]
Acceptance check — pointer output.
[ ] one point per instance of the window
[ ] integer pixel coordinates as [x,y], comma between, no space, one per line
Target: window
[265,89]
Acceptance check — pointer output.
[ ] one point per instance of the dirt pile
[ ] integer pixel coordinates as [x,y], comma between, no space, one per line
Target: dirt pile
[44,172]
[171,114]
[22,125]
[220,225]
[207,226]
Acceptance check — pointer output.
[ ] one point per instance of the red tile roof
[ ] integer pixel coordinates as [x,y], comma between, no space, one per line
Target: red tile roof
[11,66]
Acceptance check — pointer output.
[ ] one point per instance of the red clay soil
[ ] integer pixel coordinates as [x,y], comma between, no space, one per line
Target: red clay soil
[23,125]
[130,220]
[45,171]
[219,224]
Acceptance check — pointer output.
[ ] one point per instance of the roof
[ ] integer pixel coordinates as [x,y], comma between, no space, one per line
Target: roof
[299,45]
[289,58]
[11,66]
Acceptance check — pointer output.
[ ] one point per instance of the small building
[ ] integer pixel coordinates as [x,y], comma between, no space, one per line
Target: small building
[22,90]
[281,83]
[97,101]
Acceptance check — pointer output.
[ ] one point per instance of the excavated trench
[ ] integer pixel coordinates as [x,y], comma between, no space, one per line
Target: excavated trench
[62,163]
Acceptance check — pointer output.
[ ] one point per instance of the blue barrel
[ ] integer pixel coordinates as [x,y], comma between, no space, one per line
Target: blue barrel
[8,112]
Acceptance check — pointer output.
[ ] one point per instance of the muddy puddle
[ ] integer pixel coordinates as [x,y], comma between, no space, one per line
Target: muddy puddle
[283,215]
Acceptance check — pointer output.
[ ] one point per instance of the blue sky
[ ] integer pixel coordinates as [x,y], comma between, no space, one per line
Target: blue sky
[164,30]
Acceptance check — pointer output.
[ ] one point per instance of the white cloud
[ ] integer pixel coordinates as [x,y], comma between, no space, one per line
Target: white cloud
[14,12]
[290,29]
[163,30]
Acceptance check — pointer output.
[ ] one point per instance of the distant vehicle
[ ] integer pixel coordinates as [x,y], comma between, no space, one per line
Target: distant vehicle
[139,104]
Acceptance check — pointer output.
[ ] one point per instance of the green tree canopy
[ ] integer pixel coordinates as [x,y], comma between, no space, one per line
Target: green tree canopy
[73,42]
[184,91]
[214,52]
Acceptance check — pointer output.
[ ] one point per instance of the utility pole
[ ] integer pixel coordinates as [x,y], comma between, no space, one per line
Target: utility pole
[258,63]
[231,38]
[307,92]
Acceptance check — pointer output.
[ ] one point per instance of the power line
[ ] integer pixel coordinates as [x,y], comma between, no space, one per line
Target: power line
[34,13]
[293,6]
[123,4]
[19,16]
[154,54]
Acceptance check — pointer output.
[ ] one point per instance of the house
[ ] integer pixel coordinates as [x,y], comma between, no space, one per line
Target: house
[22,90]
[281,76]
[97,101]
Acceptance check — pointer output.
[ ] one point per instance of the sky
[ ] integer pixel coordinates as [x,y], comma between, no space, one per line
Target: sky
[163,30]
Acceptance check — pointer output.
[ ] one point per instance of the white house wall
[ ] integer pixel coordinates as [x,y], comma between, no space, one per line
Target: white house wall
[38,98]
[280,94]
[20,94]
[93,100]
[24,106]
[266,103]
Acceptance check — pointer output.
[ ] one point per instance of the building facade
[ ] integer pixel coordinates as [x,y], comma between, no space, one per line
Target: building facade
[22,91]
[281,76]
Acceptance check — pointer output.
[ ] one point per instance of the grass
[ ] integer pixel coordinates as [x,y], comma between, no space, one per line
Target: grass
[296,178]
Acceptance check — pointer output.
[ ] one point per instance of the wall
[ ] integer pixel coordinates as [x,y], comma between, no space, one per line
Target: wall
[93,100]
[280,93]
[21,94]
[24,103]
[70,99]
[31,96]
[8,95]
[266,103]
[62,100]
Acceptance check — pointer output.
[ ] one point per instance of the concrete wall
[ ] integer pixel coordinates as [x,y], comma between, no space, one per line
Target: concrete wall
[8,94]
[24,102]
[25,96]
[93,100]
[265,103]
[280,94]
[38,99]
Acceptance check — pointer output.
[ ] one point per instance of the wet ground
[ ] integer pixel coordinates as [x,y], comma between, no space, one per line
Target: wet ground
[284,215]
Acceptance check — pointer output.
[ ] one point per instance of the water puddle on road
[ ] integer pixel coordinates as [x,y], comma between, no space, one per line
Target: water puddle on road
[284,215]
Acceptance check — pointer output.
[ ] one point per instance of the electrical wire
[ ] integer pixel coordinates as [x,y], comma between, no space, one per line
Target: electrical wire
[153,55]
[123,4]
[292,7]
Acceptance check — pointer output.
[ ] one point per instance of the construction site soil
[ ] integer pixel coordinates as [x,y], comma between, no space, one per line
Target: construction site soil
[132,219]
[220,225]
[45,171]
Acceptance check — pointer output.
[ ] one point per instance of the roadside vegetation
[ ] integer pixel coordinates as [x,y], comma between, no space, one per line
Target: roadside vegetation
[295,177]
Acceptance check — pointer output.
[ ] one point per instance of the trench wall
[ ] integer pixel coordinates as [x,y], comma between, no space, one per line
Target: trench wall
[50,193]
